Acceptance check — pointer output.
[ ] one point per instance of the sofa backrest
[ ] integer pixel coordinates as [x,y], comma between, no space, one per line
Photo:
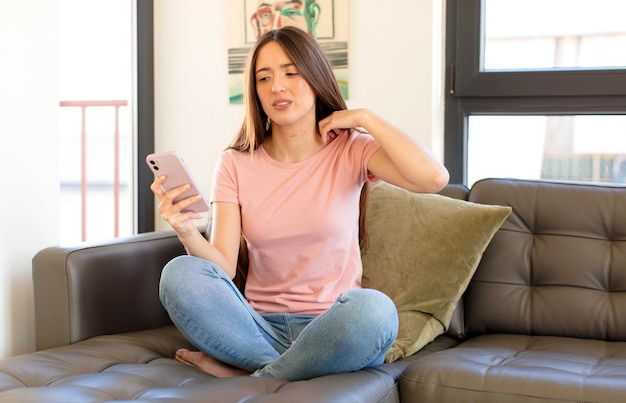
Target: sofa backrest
[101,288]
[557,266]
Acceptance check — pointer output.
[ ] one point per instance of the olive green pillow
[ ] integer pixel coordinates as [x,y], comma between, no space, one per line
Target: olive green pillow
[422,252]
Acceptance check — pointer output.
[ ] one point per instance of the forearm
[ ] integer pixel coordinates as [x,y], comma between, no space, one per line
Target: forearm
[417,164]
[197,245]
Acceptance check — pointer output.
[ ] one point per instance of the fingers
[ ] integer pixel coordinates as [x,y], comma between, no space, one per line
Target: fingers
[157,186]
[336,124]
[173,212]
[181,221]
[329,133]
[169,206]
[172,194]
[333,134]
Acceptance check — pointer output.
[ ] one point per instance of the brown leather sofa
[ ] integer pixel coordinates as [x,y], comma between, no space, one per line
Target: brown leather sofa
[543,319]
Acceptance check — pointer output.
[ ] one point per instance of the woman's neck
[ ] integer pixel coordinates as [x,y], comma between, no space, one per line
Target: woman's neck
[293,145]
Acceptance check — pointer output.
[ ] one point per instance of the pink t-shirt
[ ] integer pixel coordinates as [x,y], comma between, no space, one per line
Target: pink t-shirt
[300,222]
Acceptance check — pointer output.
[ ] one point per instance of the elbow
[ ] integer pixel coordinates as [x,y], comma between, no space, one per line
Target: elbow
[436,180]
[442,179]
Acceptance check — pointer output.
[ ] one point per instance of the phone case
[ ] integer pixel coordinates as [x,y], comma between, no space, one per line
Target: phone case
[174,168]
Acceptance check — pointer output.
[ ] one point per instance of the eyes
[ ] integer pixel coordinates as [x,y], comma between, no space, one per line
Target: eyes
[266,76]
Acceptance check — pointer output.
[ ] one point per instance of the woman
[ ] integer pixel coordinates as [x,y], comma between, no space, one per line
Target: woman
[290,183]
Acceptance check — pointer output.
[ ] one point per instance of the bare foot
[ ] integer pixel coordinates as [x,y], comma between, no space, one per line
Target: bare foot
[208,364]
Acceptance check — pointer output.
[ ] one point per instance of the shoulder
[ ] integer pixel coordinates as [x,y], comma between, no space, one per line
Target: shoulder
[361,141]
[360,138]
[231,153]
[229,161]
[232,156]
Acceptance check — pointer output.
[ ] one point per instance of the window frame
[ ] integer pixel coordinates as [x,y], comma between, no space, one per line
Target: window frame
[469,90]
[145,114]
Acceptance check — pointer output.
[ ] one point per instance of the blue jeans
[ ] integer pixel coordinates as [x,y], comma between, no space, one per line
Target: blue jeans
[208,309]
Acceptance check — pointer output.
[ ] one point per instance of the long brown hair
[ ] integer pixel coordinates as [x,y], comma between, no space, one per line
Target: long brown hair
[311,62]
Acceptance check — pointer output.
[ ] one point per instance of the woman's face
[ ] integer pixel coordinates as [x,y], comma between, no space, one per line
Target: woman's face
[285,95]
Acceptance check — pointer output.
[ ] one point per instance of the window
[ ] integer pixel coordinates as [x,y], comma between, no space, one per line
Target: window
[533,90]
[95,119]
[105,118]
[539,34]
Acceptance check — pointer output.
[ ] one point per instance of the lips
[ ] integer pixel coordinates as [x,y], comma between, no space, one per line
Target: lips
[281,104]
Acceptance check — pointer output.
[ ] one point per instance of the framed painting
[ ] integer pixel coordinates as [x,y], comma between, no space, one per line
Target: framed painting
[324,20]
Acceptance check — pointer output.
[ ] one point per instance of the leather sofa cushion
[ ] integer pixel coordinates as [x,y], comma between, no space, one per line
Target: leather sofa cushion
[519,368]
[557,266]
[138,366]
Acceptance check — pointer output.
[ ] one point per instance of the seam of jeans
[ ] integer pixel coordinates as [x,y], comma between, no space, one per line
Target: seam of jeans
[288,329]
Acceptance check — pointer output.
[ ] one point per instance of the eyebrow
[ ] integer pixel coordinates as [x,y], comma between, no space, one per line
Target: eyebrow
[264,69]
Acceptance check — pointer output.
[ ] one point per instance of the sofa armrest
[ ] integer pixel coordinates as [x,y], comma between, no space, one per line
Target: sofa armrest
[100,288]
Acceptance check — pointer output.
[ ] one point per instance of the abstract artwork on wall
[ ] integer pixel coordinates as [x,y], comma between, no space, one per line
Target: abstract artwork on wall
[325,20]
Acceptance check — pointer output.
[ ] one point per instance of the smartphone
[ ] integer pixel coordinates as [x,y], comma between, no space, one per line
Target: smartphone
[171,165]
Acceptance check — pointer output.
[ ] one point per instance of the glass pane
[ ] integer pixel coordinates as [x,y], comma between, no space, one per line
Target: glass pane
[578,148]
[545,34]
[96,119]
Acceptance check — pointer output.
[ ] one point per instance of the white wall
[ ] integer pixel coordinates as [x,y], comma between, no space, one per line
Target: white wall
[29,176]
[395,62]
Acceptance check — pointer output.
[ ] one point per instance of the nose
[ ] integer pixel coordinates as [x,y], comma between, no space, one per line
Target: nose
[278,84]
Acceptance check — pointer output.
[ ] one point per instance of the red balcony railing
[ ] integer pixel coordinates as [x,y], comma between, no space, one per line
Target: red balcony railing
[84,180]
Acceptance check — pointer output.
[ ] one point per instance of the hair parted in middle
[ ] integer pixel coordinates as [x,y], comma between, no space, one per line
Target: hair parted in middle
[311,61]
